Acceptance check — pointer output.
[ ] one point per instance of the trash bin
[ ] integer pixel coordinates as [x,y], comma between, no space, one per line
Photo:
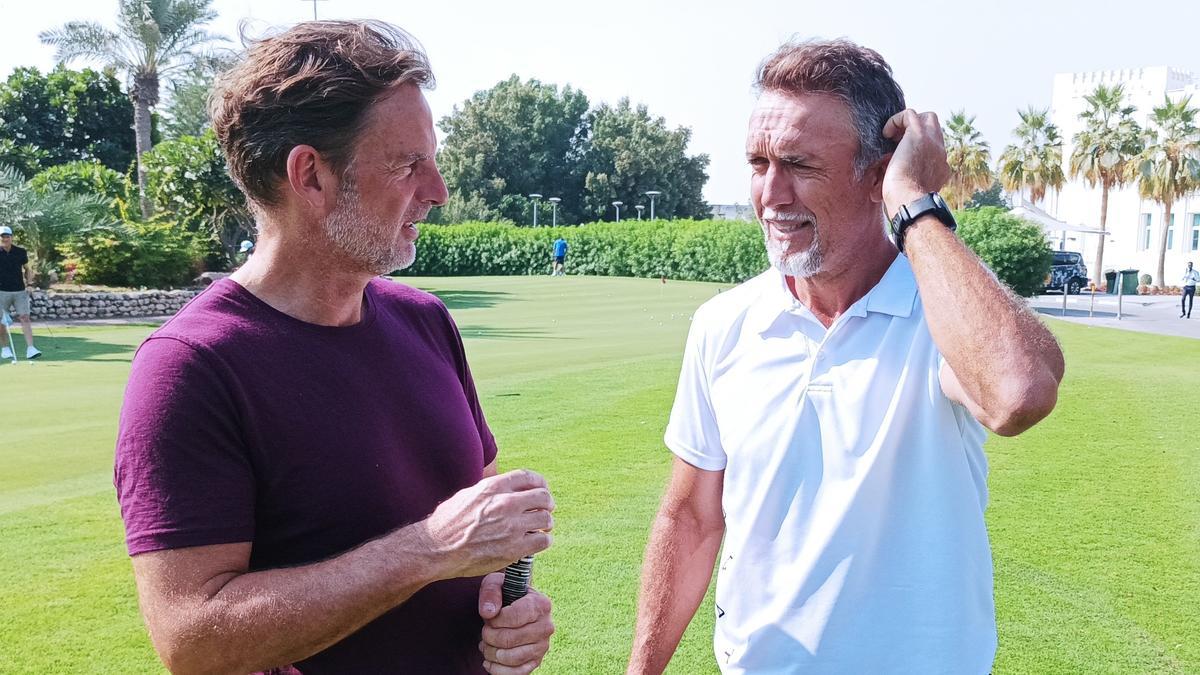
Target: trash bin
[1129,282]
[1110,282]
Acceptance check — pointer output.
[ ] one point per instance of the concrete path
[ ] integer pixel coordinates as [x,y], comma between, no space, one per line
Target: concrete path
[1143,313]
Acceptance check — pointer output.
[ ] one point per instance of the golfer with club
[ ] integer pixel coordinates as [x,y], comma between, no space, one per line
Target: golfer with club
[303,466]
[15,278]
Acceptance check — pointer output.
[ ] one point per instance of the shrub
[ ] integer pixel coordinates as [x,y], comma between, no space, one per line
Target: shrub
[157,254]
[1146,279]
[1016,250]
[707,250]
[87,178]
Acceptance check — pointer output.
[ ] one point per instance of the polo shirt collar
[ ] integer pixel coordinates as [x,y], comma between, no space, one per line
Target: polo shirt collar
[895,294]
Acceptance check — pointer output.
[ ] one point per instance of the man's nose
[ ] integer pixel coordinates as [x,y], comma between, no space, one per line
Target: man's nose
[777,188]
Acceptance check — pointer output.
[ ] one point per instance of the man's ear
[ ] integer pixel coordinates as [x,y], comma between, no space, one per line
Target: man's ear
[310,177]
[874,176]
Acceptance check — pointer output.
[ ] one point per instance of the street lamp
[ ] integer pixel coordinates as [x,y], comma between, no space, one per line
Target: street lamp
[535,197]
[554,210]
[314,4]
[618,207]
[639,207]
[652,194]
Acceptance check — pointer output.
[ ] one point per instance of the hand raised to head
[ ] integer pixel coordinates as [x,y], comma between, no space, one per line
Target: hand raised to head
[918,165]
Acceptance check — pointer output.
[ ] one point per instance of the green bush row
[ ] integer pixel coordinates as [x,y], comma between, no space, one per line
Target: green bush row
[726,251]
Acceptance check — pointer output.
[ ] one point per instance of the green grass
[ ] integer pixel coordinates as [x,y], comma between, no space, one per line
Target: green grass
[1094,517]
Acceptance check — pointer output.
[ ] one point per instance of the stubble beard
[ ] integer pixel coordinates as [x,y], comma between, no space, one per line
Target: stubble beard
[800,264]
[371,244]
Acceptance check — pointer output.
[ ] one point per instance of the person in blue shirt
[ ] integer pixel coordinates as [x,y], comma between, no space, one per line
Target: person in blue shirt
[560,257]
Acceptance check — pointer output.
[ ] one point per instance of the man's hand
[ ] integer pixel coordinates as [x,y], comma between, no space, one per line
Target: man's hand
[492,523]
[515,638]
[918,166]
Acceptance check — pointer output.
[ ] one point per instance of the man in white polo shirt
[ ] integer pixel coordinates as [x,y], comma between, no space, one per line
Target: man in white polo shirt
[829,421]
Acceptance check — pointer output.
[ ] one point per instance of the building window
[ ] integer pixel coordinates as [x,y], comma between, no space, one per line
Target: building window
[1145,240]
[1196,231]
[1171,233]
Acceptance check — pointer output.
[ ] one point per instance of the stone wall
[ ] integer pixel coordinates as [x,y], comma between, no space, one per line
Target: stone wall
[51,305]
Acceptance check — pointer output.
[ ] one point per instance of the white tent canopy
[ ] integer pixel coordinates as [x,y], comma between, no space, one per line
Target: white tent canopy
[1048,222]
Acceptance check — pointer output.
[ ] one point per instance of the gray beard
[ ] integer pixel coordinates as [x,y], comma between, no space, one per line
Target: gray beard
[364,239]
[801,265]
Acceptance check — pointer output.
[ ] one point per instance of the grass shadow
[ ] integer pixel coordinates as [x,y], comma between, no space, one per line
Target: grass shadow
[71,348]
[458,299]
[488,333]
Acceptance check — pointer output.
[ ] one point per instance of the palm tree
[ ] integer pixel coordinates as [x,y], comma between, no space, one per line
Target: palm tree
[154,39]
[969,156]
[1036,161]
[1104,150]
[1169,167]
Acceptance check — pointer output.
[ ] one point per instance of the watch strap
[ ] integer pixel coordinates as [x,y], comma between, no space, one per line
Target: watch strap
[908,214]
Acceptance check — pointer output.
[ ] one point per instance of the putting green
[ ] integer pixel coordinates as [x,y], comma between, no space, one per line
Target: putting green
[1094,521]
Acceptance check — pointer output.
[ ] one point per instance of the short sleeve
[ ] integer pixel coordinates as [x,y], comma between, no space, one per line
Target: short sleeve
[692,432]
[490,449]
[182,473]
[24,257]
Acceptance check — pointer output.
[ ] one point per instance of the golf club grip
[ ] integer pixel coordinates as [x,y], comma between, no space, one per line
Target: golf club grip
[516,580]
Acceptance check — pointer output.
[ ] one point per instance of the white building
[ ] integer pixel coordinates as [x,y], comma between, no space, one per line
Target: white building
[1134,224]
[731,211]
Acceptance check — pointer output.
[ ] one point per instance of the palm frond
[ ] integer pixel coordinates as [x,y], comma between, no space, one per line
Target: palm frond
[85,40]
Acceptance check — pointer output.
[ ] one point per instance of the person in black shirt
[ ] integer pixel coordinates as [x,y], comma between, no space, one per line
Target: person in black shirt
[14,299]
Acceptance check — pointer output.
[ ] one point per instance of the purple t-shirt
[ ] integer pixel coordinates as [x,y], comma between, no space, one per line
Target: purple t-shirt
[243,424]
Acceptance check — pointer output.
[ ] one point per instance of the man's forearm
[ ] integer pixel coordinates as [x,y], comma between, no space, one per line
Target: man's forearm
[1005,359]
[259,620]
[675,575]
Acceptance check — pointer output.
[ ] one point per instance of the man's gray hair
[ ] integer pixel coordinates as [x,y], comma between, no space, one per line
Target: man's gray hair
[857,76]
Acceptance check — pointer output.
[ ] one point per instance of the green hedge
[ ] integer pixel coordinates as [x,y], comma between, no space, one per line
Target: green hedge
[726,251]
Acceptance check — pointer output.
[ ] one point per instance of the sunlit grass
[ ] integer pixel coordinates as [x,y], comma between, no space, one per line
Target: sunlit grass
[1094,516]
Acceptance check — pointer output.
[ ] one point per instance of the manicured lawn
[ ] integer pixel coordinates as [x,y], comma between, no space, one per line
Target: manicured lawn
[1094,517]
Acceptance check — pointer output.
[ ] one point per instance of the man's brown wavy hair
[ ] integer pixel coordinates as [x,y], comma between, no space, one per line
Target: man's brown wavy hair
[310,85]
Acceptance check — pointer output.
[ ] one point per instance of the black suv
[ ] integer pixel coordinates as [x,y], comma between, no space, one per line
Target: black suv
[1067,271]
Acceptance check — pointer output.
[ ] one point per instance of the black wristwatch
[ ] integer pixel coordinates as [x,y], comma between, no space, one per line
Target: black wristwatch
[931,204]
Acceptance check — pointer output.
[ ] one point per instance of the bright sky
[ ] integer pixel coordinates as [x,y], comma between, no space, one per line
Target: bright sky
[693,62]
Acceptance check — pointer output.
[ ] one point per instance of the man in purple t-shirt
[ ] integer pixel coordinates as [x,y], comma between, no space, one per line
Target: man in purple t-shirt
[304,470]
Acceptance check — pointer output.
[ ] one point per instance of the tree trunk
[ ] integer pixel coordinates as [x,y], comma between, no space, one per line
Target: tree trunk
[141,130]
[145,95]
[1098,272]
[1162,245]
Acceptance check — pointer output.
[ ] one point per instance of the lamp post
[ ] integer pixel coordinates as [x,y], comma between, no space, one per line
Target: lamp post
[639,208]
[535,197]
[314,4]
[554,210]
[618,207]
[652,194]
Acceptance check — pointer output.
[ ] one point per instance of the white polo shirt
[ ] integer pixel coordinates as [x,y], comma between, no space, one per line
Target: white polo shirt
[854,490]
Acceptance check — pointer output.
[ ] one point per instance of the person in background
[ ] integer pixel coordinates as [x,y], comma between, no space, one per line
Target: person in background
[15,279]
[1190,277]
[560,257]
